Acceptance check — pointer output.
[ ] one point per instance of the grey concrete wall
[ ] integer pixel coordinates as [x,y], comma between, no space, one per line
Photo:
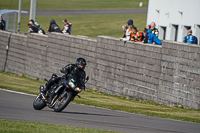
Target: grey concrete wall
[4,41]
[167,74]
[131,69]
[16,54]
[180,75]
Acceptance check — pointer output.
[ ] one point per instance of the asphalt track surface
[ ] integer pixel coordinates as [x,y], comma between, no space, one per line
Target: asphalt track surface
[88,12]
[18,107]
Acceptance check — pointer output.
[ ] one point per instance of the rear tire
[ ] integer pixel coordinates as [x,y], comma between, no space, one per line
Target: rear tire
[38,103]
[60,105]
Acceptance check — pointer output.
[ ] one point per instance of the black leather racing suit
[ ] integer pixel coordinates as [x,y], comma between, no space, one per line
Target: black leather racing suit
[68,69]
[78,74]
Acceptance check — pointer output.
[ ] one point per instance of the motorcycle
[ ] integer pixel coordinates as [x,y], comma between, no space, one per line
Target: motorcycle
[61,93]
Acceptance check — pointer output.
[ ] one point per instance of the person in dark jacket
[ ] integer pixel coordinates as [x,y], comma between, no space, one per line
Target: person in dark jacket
[53,27]
[2,23]
[145,40]
[70,69]
[33,23]
[32,29]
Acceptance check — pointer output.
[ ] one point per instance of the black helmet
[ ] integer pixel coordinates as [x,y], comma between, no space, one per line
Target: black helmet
[81,63]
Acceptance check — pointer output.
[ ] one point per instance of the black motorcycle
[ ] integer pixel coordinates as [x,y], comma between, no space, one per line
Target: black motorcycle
[61,93]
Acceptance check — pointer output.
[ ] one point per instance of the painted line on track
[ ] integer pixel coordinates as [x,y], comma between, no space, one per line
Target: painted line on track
[22,93]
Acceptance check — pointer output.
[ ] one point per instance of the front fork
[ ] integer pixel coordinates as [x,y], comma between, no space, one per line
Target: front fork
[64,94]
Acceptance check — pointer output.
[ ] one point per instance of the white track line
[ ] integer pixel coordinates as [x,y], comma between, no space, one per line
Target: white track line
[22,93]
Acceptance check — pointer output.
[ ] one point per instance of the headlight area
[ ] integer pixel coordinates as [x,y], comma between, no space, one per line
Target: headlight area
[77,89]
[71,84]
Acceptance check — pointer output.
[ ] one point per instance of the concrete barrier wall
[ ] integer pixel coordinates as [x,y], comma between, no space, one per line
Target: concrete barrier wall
[16,54]
[167,74]
[122,67]
[180,75]
[4,41]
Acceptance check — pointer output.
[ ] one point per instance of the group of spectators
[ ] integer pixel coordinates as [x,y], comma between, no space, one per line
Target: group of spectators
[150,34]
[34,27]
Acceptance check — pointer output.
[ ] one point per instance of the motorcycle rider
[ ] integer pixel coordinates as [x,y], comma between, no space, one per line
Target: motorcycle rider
[70,69]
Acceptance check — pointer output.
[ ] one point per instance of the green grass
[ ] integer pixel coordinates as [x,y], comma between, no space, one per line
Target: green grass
[7,126]
[74,4]
[91,25]
[95,98]
[19,83]
[86,25]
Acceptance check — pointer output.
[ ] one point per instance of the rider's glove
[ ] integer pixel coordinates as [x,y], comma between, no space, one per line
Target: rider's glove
[62,70]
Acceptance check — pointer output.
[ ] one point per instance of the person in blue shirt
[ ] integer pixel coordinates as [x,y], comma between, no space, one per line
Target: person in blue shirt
[190,38]
[152,38]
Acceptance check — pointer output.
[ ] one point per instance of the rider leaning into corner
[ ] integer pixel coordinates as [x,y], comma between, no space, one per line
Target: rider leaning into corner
[77,69]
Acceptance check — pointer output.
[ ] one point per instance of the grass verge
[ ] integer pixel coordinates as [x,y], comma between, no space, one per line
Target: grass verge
[74,4]
[95,98]
[7,126]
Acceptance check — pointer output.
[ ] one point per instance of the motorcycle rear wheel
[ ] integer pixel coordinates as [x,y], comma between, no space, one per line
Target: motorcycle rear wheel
[61,104]
[38,103]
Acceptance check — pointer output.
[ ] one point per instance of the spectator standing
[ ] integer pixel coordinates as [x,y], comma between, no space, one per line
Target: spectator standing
[53,27]
[32,29]
[2,23]
[32,22]
[154,29]
[138,35]
[152,38]
[35,24]
[190,38]
[128,31]
[130,27]
[145,40]
[67,27]
[127,34]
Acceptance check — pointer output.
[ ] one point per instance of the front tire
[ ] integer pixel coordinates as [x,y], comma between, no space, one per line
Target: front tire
[61,104]
[38,103]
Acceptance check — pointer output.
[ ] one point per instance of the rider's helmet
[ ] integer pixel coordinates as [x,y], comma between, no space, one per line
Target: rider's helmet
[81,63]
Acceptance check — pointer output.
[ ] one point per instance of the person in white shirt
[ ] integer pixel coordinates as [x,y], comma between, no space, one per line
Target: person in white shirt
[127,34]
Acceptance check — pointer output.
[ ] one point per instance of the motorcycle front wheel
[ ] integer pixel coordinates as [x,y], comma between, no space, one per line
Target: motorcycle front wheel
[38,103]
[61,104]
